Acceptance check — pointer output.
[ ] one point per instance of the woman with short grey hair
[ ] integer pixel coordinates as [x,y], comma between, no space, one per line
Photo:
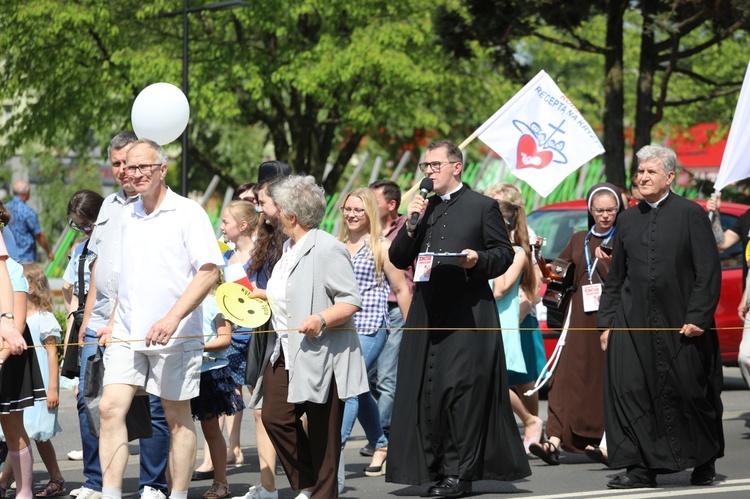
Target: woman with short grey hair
[301,196]
[315,361]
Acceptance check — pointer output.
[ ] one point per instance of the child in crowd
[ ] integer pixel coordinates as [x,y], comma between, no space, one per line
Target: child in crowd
[40,421]
[21,382]
[218,396]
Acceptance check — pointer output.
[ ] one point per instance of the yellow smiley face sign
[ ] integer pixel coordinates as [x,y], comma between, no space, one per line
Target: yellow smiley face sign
[223,247]
[239,307]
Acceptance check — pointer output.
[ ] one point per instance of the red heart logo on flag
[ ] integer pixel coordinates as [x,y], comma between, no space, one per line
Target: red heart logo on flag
[529,157]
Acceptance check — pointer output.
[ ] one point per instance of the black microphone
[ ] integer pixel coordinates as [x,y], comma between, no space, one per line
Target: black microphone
[425,187]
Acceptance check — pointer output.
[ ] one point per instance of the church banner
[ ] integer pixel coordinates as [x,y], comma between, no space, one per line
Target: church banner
[735,165]
[541,135]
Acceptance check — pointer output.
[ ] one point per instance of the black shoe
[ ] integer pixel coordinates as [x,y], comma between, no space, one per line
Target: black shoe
[705,474]
[450,486]
[366,451]
[629,481]
[202,475]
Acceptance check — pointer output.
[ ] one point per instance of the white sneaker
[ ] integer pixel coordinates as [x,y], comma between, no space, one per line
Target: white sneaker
[258,492]
[152,493]
[75,455]
[86,493]
[74,492]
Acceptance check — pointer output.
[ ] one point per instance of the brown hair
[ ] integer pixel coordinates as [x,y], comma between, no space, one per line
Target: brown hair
[270,241]
[515,224]
[4,214]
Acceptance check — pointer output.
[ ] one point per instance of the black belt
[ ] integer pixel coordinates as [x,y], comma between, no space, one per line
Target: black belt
[392,305]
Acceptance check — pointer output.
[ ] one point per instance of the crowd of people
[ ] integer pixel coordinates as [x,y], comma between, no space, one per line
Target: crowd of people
[421,326]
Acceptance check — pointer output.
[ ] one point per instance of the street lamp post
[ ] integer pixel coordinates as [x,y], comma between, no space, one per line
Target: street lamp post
[184,13]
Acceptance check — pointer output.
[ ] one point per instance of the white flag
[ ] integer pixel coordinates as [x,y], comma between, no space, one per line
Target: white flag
[735,164]
[541,135]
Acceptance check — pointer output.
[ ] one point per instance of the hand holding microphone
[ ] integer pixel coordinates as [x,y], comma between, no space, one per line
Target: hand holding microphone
[418,204]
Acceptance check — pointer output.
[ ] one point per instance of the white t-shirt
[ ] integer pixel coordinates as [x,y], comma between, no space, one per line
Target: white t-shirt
[160,254]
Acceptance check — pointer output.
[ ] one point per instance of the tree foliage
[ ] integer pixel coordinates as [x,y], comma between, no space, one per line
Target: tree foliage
[661,62]
[308,78]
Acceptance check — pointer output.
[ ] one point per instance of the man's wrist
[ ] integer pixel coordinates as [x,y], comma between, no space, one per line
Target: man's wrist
[323,323]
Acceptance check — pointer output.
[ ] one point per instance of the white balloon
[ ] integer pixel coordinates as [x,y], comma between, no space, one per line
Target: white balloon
[160,113]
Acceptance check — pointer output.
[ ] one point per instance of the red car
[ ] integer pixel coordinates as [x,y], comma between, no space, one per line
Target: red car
[557,222]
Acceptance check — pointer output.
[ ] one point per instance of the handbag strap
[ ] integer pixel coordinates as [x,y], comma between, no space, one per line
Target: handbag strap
[81,270]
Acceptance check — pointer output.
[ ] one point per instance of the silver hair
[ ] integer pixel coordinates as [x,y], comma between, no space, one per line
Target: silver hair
[121,140]
[666,155]
[299,195]
[161,154]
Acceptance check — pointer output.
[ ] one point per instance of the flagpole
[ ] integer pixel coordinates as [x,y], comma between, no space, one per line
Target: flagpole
[469,140]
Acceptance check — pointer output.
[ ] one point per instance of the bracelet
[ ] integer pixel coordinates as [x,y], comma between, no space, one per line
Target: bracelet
[8,315]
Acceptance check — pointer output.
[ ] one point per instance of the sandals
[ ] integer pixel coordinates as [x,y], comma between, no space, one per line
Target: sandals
[218,490]
[546,451]
[537,436]
[55,487]
[596,454]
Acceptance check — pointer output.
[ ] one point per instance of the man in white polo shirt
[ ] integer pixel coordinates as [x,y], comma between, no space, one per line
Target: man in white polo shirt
[100,303]
[169,260]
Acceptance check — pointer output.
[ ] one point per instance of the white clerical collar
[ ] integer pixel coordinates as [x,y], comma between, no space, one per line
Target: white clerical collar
[654,205]
[447,197]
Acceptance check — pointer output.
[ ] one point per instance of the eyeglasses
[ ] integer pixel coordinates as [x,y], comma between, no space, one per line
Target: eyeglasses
[146,169]
[85,228]
[599,211]
[357,212]
[435,166]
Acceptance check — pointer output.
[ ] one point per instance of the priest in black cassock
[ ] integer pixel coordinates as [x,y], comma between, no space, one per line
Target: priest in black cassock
[452,421]
[663,377]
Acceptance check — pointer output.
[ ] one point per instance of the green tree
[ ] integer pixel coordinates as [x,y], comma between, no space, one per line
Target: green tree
[687,56]
[309,78]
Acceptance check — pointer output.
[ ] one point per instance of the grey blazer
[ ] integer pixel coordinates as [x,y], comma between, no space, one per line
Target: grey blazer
[321,276]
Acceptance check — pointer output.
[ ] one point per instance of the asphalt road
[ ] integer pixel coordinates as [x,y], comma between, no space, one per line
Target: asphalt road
[576,477]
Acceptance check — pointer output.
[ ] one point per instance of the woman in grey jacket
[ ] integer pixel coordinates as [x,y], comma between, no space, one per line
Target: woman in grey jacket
[315,361]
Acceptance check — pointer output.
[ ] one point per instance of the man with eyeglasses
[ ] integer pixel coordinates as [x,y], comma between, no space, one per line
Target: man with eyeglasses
[452,421]
[663,373]
[105,243]
[167,262]
[388,195]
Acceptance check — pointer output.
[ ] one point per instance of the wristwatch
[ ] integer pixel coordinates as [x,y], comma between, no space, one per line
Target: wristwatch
[8,315]
[322,322]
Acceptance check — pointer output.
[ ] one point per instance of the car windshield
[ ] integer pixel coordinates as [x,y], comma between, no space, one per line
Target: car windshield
[556,226]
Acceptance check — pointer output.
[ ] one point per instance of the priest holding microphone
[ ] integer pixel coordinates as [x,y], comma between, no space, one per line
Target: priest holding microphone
[452,422]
